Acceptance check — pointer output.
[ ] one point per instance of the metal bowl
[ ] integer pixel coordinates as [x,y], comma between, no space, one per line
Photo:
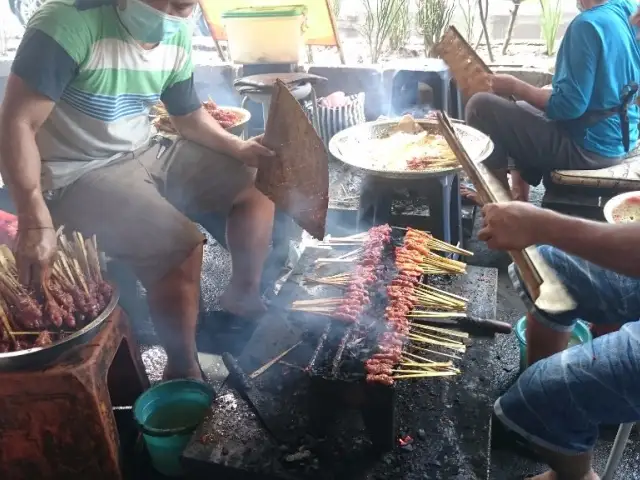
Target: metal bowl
[40,356]
[348,145]
[245,116]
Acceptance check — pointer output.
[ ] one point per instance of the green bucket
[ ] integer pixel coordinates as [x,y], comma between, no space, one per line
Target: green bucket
[580,334]
[167,415]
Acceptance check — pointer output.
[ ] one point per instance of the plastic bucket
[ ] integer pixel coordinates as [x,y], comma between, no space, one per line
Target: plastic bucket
[167,415]
[580,334]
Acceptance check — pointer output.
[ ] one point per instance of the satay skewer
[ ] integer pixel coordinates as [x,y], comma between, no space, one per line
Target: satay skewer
[424,375]
[435,352]
[453,333]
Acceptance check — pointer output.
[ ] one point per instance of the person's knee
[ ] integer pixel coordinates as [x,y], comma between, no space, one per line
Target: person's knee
[478,108]
[251,197]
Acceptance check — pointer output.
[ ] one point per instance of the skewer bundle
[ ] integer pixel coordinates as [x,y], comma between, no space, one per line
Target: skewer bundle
[410,304]
[349,307]
[72,294]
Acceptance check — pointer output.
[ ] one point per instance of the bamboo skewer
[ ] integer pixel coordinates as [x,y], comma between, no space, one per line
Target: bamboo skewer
[452,333]
[425,375]
[273,361]
[426,350]
[458,347]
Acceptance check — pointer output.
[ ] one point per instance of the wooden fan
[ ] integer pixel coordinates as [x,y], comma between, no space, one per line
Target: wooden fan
[297,178]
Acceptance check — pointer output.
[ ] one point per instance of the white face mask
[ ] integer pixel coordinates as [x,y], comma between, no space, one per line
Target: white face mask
[579,6]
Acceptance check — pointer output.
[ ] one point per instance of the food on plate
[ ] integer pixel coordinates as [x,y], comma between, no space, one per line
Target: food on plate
[297,178]
[627,211]
[409,147]
[74,295]
[226,117]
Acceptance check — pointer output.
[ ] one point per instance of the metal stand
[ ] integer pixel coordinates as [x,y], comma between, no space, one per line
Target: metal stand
[300,93]
[617,450]
[445,205]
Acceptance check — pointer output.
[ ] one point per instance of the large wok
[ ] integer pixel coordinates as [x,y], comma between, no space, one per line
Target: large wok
[41,356]
[348,146]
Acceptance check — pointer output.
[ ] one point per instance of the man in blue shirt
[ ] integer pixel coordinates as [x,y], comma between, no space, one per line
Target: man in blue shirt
[587,120]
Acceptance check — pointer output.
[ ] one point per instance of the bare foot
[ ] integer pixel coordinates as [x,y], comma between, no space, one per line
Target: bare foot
[242,302]
[175,371]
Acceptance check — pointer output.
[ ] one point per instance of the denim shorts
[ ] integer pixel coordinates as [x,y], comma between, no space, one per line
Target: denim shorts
[559,402]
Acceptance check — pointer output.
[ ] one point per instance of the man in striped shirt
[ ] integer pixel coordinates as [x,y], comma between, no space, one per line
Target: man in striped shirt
[77,149]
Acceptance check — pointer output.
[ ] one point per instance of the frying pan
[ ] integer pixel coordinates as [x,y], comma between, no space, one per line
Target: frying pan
[348,146]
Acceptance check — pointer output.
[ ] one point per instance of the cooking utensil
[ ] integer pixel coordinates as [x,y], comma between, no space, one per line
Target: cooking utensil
[41,356]
[348,146]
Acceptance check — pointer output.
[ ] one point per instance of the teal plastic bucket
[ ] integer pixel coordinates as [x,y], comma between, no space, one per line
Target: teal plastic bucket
[167,415]
[581,334]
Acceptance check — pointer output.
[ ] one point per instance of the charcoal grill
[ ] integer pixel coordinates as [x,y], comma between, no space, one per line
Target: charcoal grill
[337,371]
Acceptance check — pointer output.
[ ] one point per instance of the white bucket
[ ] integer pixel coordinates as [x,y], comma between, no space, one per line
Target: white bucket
[265,34]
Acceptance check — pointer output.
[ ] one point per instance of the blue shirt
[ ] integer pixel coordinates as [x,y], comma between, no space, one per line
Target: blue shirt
[598,56]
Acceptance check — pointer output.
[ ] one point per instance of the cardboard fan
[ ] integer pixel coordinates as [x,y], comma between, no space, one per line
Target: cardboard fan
[542,283]
[297,178]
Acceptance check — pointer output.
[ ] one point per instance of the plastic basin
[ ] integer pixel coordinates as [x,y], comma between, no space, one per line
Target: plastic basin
[168,414]
[580,334]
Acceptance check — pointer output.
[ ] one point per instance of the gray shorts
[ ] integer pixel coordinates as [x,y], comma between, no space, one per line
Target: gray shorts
[526,140]
[137,205]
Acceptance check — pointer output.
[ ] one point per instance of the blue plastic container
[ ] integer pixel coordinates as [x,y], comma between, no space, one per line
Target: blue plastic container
[581,334]
[168,414]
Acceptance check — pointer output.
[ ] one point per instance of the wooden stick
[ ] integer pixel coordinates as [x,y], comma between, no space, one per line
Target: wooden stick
[418,357]
[425,339]
[443,292]
[409,371]
[446,331]
[273,361]
[425,314]
[316,301]
[426,350]
[424,375]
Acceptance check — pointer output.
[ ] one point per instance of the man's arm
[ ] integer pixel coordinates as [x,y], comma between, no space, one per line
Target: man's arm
[200,127]
[22,114]
[614,247]
[575,75]
[537,97]
[46,62]
[517,225]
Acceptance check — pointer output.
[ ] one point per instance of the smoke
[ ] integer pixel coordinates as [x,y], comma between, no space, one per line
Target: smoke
[216,82]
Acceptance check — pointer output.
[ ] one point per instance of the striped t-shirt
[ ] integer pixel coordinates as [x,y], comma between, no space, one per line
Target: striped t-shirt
[79,54]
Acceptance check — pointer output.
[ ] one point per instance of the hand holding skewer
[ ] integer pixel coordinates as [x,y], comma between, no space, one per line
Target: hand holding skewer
[35,250]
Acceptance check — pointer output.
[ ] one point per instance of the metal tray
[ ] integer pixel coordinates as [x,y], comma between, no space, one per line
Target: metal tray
[40,356]
[347,146]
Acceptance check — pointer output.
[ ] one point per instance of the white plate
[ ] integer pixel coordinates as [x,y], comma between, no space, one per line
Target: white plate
[617,201]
